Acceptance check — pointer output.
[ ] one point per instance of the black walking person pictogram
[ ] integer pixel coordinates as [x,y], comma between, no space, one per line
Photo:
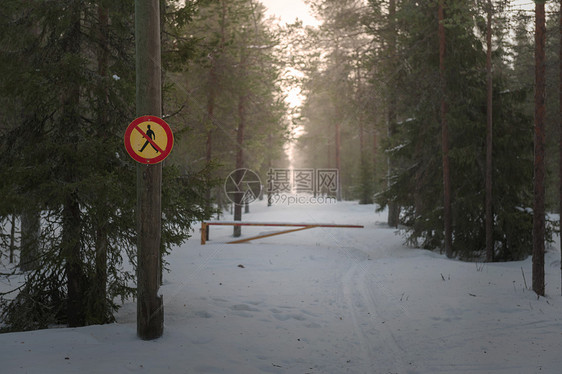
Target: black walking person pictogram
[152,136]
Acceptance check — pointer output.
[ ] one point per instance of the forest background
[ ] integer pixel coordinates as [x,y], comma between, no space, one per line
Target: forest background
[370,77]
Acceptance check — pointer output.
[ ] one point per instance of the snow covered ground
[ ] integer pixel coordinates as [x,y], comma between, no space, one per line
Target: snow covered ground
[319,301]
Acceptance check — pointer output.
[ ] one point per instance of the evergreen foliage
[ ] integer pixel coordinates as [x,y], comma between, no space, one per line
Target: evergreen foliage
[399,103]
[235,54]
[417,185]
[68,95]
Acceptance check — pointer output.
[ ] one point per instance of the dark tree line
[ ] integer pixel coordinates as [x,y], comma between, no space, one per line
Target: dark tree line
[447,93]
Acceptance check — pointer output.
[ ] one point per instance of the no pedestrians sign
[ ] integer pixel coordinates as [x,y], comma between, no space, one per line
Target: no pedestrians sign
[149,140]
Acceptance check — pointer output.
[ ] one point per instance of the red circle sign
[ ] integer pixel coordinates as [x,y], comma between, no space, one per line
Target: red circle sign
[149,140]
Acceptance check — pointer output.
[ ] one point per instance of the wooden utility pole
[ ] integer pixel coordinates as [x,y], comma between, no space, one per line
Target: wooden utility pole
[539,164]
[150,312]
[445,137]
[489,119]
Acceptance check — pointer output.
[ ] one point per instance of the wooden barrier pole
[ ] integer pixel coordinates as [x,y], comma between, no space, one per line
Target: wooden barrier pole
[268,235]
[301,226]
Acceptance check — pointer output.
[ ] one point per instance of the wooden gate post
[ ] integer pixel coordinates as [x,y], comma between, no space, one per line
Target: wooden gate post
[204,229]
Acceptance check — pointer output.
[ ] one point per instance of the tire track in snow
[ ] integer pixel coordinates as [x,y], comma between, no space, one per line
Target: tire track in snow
[381,350]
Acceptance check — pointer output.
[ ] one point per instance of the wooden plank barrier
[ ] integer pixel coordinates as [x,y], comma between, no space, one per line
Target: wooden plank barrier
[300,226]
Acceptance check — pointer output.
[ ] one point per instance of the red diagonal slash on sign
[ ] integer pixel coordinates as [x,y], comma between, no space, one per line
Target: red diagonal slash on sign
[152,142]
[162,153]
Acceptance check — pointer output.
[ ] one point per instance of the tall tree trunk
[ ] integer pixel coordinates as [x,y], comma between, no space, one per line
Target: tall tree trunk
[237,231]
[359,99]
[72,225]
[365,172]
[242,102]
[560,132]
[30,232]
[12,237]
[210,118]
[269,166]
[76,280]
[539,164]
[212,93]
[338,159]
[99,310]
[393,207]
[150,308]
[448,242]
[375,145]
[337,125]
[489,118]
[374,129]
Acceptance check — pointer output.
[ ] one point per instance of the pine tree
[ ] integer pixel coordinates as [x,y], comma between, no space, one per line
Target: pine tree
[539,164]
[489,136]
[560,127]
[393,206]
[447,219]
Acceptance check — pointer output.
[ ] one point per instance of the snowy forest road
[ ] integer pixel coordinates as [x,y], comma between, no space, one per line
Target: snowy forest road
[318,301]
